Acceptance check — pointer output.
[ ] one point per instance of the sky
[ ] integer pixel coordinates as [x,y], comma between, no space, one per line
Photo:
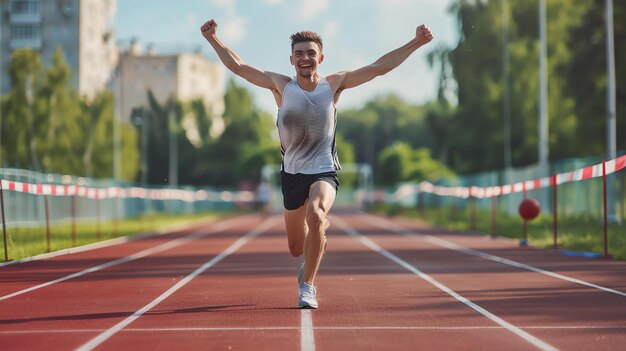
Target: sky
[355,33]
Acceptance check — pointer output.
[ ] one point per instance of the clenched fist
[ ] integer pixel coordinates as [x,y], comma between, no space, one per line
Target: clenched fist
[208,28]
[423,35]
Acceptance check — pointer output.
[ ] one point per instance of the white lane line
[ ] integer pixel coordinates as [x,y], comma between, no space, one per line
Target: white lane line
[510,327]
[93,343]
[147,252]
[355,328]
[307,339]
[449,245]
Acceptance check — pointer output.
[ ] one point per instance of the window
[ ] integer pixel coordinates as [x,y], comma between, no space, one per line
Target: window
[25,7]
[29,31]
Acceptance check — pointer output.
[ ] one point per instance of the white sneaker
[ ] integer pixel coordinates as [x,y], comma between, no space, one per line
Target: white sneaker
[307,296]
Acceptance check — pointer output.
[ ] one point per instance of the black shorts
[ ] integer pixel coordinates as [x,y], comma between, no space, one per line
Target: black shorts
[295,187]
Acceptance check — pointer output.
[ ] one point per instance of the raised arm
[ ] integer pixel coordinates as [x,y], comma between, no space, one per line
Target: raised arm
[350,79]
[264,79]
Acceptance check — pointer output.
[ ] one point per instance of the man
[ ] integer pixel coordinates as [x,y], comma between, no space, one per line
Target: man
[306,125]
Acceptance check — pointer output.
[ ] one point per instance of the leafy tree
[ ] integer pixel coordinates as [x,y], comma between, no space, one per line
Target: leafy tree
[345,152]
[201,120]
[99,144]
[381,122]
[63,139]
[52,129]
[424,167]
[237,155]
[439,113]
[157,117]
[246,129]
[21,124]
[129,153]
[587,68]
[400,163]
[476,64]
[359,128]
[577,81]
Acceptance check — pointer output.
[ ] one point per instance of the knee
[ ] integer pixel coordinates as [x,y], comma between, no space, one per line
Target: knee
[316,219]
[296,250]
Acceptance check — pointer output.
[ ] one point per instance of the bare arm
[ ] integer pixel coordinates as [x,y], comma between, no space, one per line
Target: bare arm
[264,79]
[387,62]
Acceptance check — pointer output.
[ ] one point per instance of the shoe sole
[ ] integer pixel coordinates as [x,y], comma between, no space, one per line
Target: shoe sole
[307,305]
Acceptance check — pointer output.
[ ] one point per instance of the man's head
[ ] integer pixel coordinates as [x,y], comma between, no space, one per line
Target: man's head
[304,37]
[306,53]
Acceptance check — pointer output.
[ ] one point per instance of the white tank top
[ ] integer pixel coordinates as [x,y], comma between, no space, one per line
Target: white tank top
[307,124]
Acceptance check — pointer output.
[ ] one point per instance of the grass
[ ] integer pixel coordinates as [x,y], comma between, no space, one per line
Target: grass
[28,242]
[580,233]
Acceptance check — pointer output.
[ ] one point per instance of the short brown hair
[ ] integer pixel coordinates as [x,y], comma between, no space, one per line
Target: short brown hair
[305,36]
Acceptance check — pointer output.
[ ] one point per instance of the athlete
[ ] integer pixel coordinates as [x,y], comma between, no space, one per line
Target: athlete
[306,126]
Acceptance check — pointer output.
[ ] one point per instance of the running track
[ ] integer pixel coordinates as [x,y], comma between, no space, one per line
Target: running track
[385,284]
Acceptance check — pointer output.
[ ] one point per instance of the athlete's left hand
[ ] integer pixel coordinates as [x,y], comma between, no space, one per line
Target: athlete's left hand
[423,35]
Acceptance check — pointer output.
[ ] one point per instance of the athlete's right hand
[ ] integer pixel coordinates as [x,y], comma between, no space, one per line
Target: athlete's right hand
[208,28]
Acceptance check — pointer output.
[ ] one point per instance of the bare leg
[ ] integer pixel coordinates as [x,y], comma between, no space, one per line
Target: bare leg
[297,229]
[321,198]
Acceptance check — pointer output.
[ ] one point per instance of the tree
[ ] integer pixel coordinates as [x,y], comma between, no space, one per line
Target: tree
[246,129]
[477,124]
[587,68]
[64,140]
[401,163]
[97,156]
[237,155]
[345,152]
[52,129]
[21,124]
[381,122]
[394,164]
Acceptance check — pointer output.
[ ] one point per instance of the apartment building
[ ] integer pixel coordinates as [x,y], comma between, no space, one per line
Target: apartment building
[185,76]
[82,29]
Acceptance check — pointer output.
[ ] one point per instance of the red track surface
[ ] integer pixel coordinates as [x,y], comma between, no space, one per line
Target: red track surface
[384,284]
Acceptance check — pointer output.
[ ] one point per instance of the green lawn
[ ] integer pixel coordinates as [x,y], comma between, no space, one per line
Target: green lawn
[27,242]
[585,234]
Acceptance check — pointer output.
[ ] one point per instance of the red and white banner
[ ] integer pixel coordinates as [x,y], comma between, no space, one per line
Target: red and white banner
[116,192]
[590,172]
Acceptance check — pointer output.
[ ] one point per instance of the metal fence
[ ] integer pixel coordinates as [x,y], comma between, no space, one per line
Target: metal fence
[575,197]
[584,196]
[81,210]
[70,198]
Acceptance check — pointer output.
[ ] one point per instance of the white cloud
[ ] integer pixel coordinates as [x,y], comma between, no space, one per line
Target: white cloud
[190,24]
[224,4]
[421,5]
[272,2]
[311,9]
[234,29]
[331,29]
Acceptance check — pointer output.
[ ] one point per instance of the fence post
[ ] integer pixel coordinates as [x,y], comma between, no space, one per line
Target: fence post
[473,213]
[74,220]
[524,241]
[493,216]
[555,207]
[4,225]
[47,224]
[606,224]
[422,205]
[114,213]
[98,234]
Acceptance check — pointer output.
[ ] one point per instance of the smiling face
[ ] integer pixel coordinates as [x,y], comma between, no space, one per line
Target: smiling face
[305,57]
